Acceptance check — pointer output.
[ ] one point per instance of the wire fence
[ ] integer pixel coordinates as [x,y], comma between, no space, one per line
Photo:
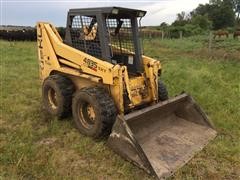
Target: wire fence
[212,40]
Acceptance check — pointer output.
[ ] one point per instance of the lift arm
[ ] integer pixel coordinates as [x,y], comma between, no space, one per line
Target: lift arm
[54,52]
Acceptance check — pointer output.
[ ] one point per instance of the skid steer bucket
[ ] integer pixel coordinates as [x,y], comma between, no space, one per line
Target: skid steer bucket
[163,137]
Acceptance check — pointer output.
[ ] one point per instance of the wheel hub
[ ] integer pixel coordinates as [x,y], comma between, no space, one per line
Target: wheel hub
[90,112]
[87,115]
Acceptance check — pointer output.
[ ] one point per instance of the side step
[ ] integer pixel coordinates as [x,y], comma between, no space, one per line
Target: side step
[162,138]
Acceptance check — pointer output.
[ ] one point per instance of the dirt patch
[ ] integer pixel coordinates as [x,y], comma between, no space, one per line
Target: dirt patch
[47,141]
[75,163]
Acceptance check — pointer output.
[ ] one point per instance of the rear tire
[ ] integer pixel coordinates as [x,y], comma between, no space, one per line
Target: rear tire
[162,91]
[57,93]
[94,112]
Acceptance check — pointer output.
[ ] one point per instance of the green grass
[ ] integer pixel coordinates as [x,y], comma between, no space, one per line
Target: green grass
[187,44]
[221,48]
[195,43]
[34,145]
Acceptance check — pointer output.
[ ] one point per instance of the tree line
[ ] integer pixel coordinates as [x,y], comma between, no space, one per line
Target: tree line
[215,15]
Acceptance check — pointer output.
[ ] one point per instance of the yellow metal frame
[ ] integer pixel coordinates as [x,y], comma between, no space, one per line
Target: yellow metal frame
[86,70]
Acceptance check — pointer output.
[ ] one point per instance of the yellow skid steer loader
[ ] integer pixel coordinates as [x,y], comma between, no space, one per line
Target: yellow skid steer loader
[99,73]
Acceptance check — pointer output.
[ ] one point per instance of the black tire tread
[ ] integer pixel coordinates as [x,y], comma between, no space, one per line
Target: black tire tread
[67,89]
[162,91]
[106,107]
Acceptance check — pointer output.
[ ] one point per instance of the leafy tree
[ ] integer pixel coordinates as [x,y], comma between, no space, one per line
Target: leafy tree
[220,12]
[164,25]
[202,21]
[217,14]
[181,16]
[182,19]
[224,15]
[202,10]
[217,2]
[190,29]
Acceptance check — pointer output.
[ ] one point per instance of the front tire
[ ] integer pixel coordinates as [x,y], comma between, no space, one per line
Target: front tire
[162,91]
[94,112]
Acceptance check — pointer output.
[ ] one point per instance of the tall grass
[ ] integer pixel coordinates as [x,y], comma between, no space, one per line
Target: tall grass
[35,145]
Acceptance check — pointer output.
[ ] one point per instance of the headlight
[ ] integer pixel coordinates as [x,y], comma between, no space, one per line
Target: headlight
[115,11]
[141,14]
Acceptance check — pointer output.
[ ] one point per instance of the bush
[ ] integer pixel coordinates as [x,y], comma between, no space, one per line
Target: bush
[188,30]
[202,21]
[230,29]
[174,31]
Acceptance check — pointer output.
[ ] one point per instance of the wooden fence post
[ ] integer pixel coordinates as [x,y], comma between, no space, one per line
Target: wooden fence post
[181,34]
[210,41]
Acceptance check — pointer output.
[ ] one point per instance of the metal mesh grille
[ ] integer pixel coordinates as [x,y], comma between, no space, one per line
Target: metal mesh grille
[84,35]
[120,36]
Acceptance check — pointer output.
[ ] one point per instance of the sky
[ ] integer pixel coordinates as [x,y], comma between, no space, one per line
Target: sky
[28,12]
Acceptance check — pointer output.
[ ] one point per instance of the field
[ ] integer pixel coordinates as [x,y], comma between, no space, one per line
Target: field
[34,145]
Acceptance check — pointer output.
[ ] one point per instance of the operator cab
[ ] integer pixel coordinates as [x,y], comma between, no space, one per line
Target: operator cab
[109,33]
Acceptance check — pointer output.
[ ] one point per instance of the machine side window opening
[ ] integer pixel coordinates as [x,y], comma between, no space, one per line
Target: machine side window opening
[120,35]
[120,40]
[84,35]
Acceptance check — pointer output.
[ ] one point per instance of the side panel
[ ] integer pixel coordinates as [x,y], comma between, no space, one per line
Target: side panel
[81,82]
[117,90]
